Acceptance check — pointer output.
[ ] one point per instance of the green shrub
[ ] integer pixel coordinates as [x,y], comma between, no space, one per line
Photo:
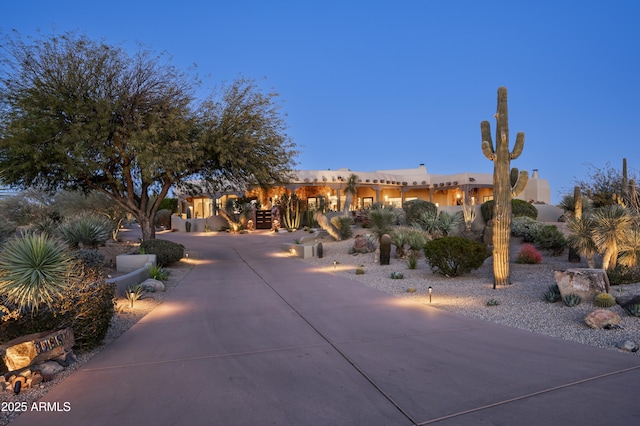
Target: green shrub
[90,258]
[396,275]
[167,252]
[454,256]
[163,218]
[343,225]
[170,204]
[360,271]
[623,275]
[492,302]
[414,208]
[550,238]
[86,306]
[526,228]
[412,260]
[518,208]
[86,230]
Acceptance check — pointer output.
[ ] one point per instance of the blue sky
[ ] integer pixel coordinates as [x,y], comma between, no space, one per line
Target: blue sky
[374,85]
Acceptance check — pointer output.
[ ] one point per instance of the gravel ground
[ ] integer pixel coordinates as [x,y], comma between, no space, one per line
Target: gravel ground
[520,304]
[124,318]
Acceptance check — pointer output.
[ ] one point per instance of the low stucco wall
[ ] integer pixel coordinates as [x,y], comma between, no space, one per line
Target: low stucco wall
[198,225]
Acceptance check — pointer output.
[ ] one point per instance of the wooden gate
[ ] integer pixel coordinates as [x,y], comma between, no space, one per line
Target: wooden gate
[263,219]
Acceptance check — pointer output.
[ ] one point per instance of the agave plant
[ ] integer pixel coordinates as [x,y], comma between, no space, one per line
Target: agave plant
[35,270]
[86,230]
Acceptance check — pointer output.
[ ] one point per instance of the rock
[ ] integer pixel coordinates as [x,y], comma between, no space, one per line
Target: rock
[625,300]
[628,345]
[152,285]
[36,348]
[49,369]
[362,244]
[66,359]
[602,318]
[585,282]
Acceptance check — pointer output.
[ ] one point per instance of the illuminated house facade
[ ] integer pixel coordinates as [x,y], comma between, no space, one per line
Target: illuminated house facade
[390,187]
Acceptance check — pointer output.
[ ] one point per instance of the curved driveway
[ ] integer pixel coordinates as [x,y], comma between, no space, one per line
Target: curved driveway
[250,337]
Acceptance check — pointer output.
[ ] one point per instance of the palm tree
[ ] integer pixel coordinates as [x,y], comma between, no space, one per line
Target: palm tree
[350,191]
[612,223]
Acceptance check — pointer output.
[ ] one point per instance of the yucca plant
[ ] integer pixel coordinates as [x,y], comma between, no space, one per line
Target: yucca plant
[86,230]
[612,223]
[35,270]
[382,220]
[581,238]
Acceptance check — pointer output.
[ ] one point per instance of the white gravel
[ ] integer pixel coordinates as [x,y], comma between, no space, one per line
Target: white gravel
[520,304]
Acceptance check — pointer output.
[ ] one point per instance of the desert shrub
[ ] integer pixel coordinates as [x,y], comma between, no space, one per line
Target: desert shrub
[170,204]
[343,225]
[163,218]
[167,252]
[518,208]
[86,306]
[526,228]
[529,255]
[89,258]
[86,229]
[550,238]
[34,270]
[414,208]
[454,256]
[624,275]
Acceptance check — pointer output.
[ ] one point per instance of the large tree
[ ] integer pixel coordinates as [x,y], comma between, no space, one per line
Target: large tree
[82,114]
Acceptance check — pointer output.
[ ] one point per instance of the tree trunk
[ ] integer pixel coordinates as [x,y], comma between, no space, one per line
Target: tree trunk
[147,227]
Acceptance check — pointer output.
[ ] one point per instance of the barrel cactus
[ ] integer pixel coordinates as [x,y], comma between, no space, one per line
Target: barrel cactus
[604,300]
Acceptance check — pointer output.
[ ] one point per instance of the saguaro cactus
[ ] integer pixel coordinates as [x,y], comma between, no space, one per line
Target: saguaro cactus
[503,189]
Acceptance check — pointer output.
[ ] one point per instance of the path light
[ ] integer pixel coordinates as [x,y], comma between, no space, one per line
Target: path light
[430,290]
[132,295]
[335,262]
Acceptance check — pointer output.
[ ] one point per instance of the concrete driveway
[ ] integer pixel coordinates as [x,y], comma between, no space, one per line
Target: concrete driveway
[251,337]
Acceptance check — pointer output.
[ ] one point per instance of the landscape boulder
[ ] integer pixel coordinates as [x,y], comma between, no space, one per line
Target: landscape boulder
[36,348]
[625,300]
[152,285]
[362,244]
[602,318]
[585,282]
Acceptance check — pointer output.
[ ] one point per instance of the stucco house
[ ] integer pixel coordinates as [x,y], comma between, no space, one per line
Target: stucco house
[390,187]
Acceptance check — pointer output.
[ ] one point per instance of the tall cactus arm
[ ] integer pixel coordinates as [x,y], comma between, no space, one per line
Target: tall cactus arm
[487,144]
[521,183]
[517,148]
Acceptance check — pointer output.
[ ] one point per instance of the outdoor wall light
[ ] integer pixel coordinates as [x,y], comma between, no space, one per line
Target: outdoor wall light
[430,291]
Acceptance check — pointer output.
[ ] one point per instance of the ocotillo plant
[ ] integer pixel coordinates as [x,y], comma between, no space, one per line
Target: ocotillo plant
[503,190]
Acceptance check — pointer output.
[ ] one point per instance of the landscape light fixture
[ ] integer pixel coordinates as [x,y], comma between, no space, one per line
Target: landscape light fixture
[132,295]
[430,290]
[335,262]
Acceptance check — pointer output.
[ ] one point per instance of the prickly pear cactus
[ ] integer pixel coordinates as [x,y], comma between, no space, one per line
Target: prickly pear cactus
[503,189]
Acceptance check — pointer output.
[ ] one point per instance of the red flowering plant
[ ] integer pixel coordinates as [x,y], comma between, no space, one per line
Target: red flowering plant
[529,255]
